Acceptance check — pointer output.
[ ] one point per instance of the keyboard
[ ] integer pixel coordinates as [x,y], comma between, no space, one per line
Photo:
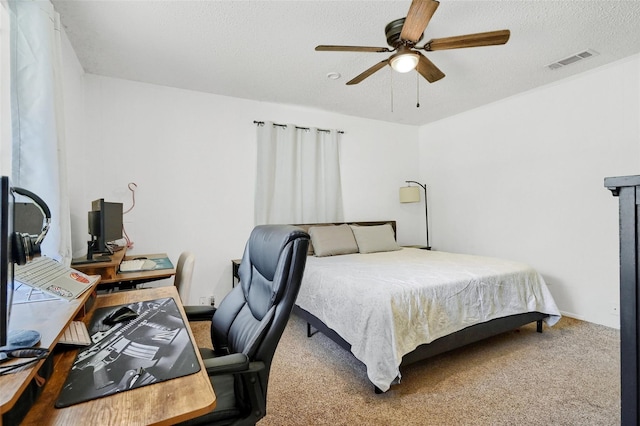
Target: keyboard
[51,277]
[76,334]
[137,265]
[40,272]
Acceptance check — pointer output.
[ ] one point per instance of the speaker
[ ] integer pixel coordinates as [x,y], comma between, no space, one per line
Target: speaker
[26,247]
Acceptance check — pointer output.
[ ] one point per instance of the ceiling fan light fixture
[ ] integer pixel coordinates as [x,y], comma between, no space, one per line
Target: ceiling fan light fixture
[404,34]
[405,62]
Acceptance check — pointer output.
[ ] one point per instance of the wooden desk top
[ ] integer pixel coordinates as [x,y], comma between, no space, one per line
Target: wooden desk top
[109,270]
[167,402]
[106,270]
[50,318]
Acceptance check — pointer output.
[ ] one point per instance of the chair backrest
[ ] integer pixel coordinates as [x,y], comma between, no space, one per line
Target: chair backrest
[184,273]
[252,317]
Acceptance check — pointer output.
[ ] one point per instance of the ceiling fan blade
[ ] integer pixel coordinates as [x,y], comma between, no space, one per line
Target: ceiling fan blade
[428,70]
[418,17]
[490,38]
[328,48]
[368,72]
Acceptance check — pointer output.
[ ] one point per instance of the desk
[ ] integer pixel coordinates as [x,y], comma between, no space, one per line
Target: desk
[109,274]
[167,402]
[50,318]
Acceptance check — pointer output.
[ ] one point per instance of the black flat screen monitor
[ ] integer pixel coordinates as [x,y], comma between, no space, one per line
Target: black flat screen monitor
[105,224]
[6,260]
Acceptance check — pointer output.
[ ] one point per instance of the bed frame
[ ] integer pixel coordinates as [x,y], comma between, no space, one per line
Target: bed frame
[455,340]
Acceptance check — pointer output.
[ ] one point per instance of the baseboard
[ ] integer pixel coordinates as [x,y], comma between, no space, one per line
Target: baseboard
[582,318]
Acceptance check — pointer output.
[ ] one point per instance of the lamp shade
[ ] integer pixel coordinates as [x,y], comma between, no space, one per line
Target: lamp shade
[409,194]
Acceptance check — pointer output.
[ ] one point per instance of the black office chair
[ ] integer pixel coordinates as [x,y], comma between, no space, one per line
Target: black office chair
[248,324]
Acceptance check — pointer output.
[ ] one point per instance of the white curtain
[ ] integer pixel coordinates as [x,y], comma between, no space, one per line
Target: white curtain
[38,149]
[298,175]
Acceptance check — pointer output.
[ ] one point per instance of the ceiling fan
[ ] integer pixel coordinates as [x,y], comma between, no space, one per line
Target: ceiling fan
[403,34]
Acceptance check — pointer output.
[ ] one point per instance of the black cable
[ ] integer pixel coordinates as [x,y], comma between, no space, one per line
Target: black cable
[19,353]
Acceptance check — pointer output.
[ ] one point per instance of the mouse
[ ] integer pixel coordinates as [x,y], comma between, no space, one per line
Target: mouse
[121,314]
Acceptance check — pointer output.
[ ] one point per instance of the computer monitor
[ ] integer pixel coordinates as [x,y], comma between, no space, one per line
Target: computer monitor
[105,224]
[6,260]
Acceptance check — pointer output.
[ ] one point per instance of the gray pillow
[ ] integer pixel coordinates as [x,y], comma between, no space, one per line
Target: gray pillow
[332,240]
[375,238]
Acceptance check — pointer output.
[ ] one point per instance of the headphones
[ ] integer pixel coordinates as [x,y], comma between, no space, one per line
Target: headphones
[26,247]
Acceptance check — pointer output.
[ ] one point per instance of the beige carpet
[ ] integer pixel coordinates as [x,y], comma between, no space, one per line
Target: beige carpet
[568,375]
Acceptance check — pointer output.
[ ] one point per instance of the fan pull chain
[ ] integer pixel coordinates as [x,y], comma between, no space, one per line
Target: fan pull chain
[391,87]
[417,90]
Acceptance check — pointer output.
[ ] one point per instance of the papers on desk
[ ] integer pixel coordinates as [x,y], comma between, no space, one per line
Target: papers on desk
[53,278]
[137,265]
[22,293]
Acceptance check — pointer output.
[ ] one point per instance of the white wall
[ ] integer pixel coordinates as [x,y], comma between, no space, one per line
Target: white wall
[192,156]
[523,179]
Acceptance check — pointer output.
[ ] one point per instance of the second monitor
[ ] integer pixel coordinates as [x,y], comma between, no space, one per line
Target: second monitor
[105,224]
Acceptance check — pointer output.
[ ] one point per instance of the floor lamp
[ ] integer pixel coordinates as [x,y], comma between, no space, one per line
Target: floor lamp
[411,194]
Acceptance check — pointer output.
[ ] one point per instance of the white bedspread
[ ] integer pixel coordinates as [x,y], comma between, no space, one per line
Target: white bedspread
[387,304]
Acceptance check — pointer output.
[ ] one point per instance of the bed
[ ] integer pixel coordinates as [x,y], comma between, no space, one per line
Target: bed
[391,306]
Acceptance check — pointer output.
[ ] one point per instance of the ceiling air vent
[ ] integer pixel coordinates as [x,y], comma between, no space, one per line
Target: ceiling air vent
[572,59]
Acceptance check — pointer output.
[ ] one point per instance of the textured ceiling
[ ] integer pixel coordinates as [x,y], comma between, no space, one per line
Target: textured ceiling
[264,50]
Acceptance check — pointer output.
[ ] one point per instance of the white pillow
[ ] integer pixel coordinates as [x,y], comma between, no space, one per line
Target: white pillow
[375,238]
[332,240]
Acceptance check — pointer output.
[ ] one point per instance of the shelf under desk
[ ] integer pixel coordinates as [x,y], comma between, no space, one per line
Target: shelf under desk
[110,275]
[144,276]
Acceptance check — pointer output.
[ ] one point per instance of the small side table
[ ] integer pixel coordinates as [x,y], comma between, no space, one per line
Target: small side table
[235,265]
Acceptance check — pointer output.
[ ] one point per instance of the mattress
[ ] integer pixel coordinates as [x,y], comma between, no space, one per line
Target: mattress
[387,304]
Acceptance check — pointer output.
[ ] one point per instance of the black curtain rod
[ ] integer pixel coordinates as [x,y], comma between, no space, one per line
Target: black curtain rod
[261,123]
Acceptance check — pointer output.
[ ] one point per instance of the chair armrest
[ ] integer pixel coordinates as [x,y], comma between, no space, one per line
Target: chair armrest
[199,312]
[226,364]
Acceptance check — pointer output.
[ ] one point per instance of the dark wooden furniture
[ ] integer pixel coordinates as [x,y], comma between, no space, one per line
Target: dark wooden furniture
[627,189]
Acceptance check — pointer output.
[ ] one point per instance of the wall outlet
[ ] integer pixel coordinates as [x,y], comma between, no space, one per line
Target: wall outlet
[207,300]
